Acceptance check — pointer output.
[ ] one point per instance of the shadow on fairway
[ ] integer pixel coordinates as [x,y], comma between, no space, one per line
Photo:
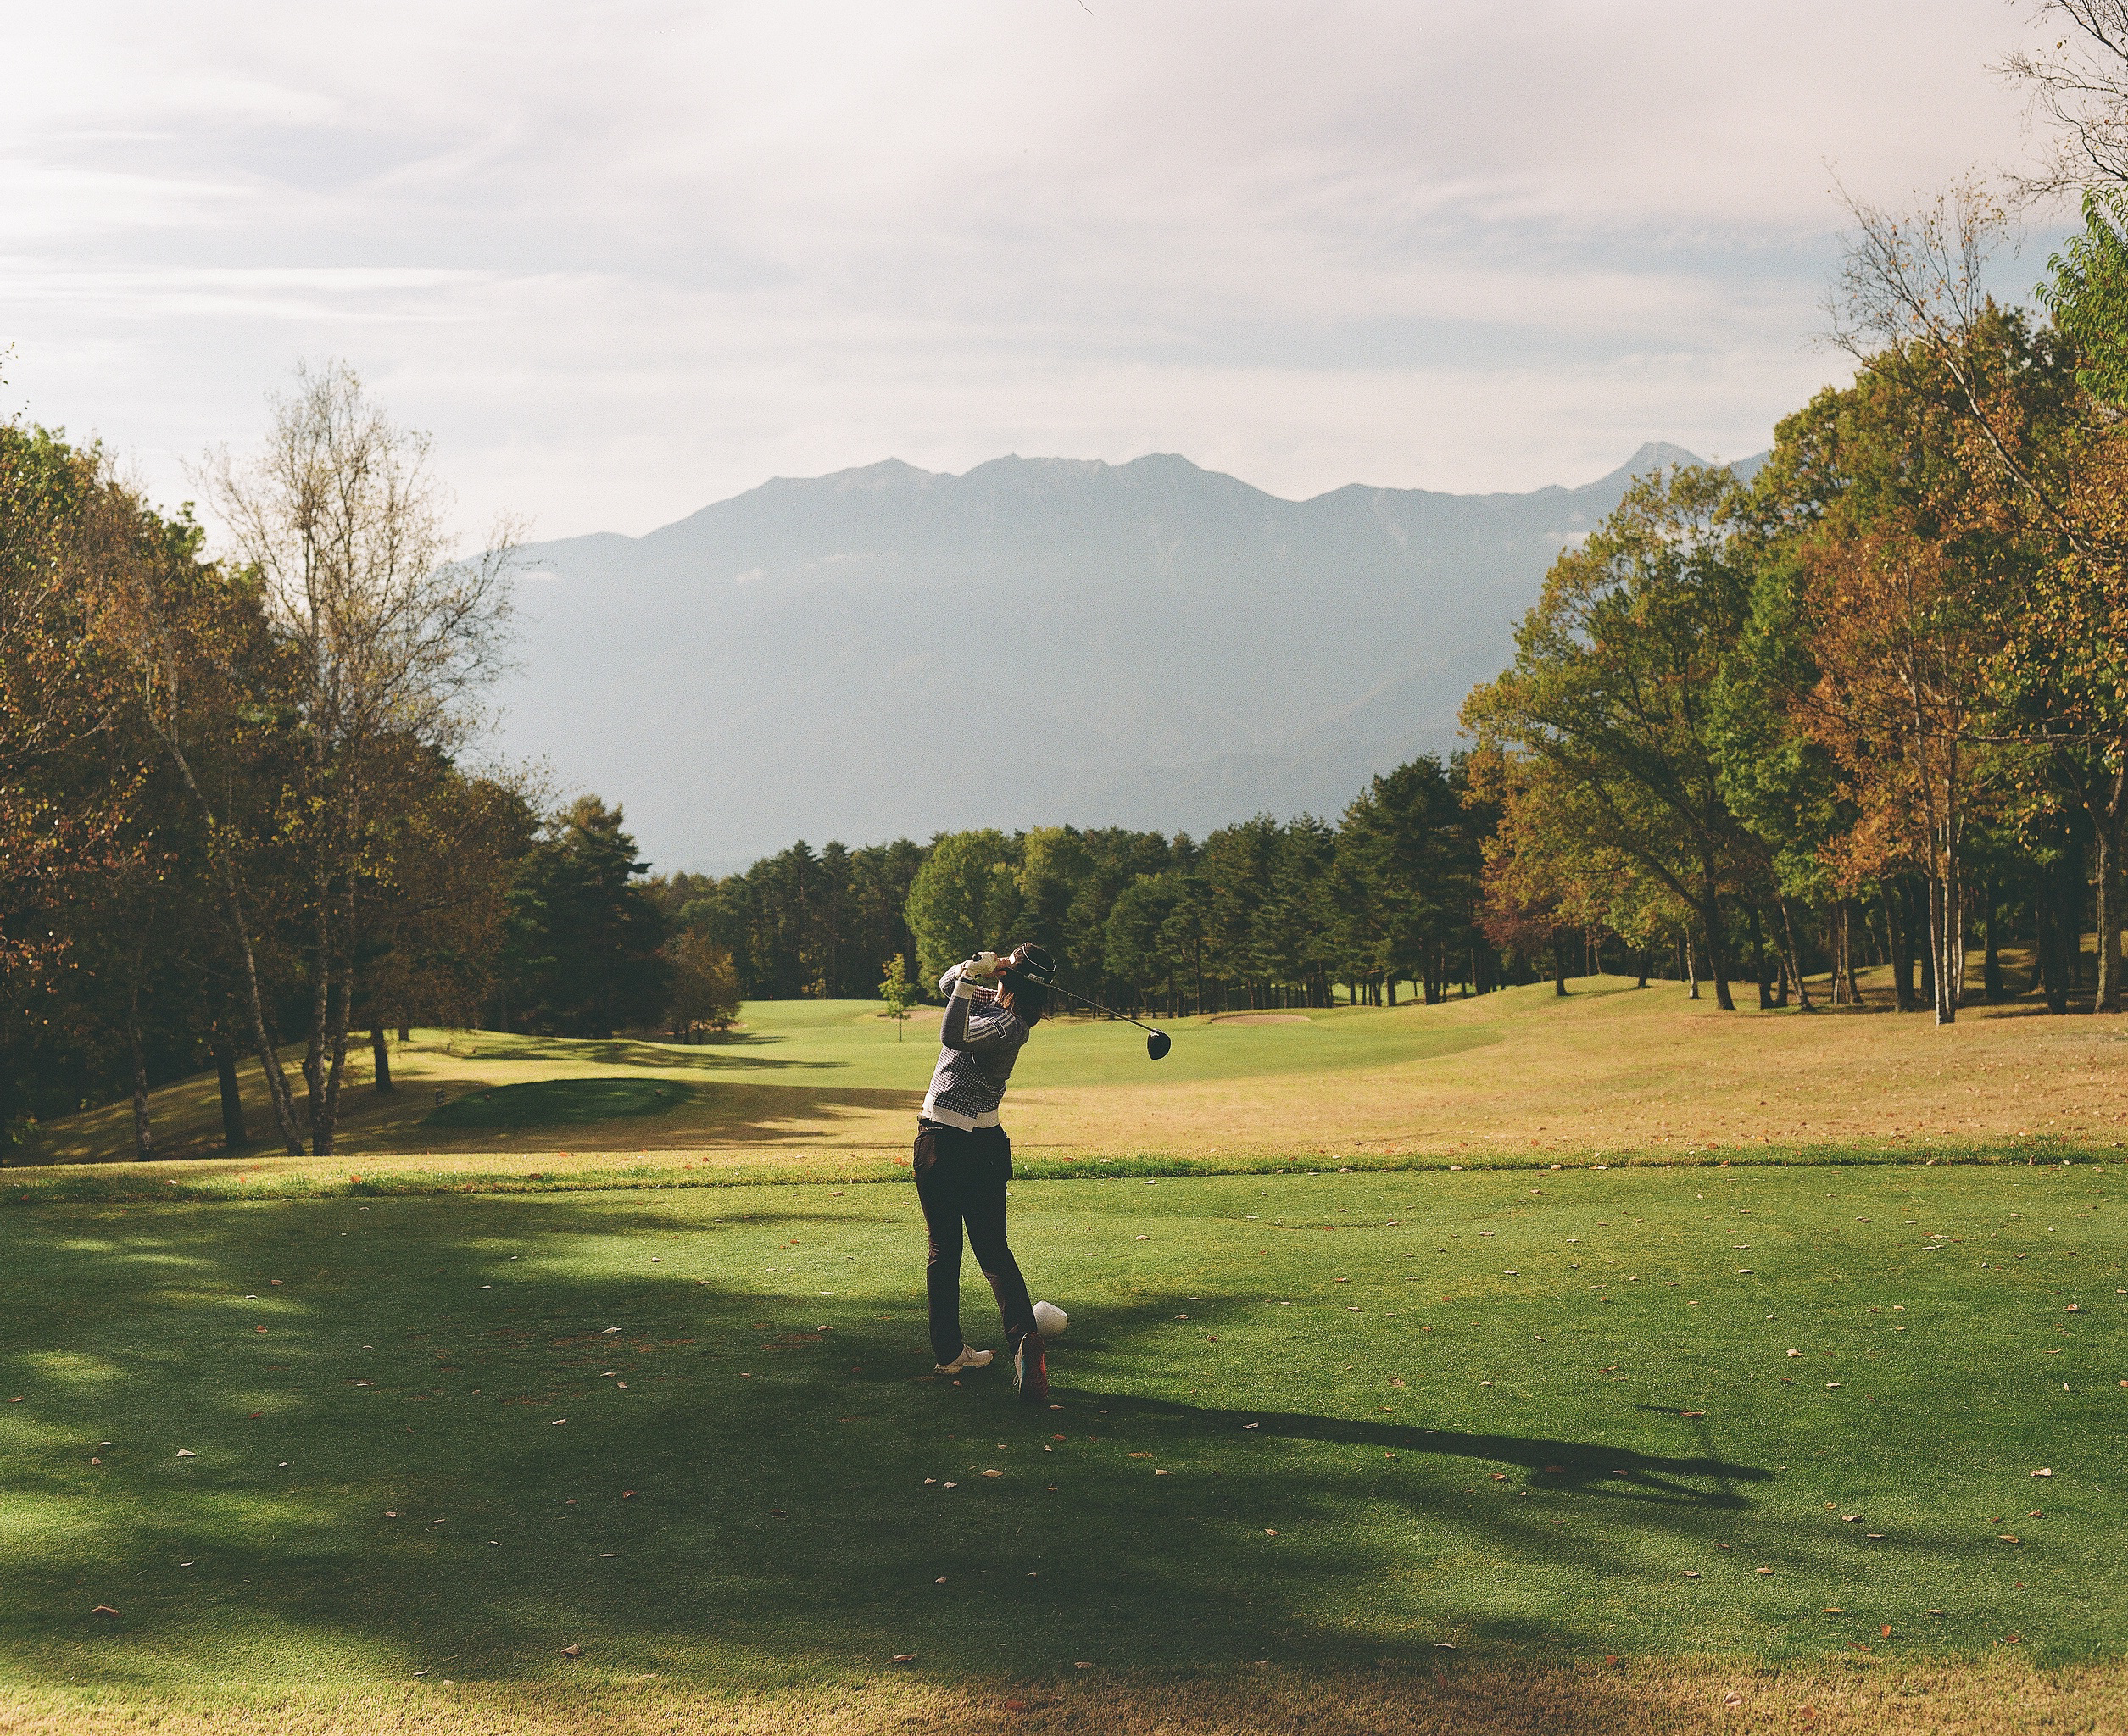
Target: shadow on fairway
[726,1053]
[342,1441]
[1702,1480]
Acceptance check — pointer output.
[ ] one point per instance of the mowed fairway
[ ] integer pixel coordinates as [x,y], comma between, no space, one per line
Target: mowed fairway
[1611,1072]
[1326,1424]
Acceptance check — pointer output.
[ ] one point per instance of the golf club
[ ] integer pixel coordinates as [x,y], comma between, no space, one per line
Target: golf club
[1157,1043]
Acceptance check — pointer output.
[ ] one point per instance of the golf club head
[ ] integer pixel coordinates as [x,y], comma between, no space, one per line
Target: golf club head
[1158,1043]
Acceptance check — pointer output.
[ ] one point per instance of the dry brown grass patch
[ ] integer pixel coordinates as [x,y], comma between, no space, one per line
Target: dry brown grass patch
[1643,1698]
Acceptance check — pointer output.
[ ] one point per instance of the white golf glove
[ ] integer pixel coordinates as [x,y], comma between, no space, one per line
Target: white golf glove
[983,966]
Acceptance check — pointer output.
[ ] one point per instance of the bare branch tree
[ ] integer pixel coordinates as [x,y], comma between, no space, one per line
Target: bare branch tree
[2078,90]
[394,635]
[1915,282]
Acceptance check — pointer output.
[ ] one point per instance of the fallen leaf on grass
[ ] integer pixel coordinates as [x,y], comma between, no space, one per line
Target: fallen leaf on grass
[186,1453]
[1851,1517]
[2007,1537]
[1268,1531]
[904,1657]
[2042,1472]
[1139,1455]
[1555,1470]
[1734,1699]
[1001,1473]
[1690,1574]
[104,1610]
[572,1651]
[1691,1413]
[1762,1570]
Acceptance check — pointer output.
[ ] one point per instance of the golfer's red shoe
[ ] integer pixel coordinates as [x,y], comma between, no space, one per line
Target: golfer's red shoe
[1030,1370]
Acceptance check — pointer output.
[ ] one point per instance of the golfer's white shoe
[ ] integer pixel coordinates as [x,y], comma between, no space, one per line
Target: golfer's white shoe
[968,1359]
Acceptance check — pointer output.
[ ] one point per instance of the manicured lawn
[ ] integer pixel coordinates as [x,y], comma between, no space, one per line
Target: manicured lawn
[1329,1420]
[1609,1073]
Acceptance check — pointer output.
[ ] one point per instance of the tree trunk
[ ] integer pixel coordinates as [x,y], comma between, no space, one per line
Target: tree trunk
[2053,955]
[1991,956]
[234,1133]
[1848,952]
[1791,956]
[2106,901]
[1558,961]
[143,1134]
[380,1061]
[1691,967]
[1759,961]
[1946,944]
[1894,924]
[1717,944]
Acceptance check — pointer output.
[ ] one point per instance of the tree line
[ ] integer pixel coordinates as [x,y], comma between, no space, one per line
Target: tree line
[1262,914]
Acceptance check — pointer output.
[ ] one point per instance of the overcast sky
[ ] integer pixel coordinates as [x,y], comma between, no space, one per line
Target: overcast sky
[626,258]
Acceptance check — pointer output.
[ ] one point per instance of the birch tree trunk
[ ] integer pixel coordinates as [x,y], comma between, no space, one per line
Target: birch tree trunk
[239,928]
[1847,951]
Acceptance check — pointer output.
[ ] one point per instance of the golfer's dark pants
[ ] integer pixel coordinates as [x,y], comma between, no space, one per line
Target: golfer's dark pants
[961,1179]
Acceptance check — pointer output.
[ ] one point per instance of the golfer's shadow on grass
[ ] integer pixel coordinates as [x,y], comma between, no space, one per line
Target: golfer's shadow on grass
[1703,1480]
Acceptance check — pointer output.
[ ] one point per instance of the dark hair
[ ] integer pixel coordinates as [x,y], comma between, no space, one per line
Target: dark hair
[1030,998]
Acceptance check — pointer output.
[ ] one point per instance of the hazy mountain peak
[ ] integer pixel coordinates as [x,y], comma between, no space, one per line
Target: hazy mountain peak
[768,668]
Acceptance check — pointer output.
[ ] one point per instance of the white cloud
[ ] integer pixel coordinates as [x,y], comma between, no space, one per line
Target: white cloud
[625,260]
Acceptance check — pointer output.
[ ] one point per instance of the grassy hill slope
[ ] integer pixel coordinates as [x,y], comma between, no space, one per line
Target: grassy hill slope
[1609,1073]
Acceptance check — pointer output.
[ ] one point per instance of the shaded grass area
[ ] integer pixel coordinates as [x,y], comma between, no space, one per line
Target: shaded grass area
[690,1431]
[559,1103]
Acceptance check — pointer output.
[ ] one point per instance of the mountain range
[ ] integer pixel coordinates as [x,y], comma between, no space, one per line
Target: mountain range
[889,651]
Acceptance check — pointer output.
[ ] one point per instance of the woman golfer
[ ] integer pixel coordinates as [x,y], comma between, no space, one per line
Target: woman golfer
[964,1160]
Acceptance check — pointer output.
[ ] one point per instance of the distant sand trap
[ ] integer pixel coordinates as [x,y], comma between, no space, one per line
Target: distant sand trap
[1258,1019]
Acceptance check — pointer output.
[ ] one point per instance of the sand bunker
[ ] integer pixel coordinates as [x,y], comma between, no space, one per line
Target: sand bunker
[1258,1019]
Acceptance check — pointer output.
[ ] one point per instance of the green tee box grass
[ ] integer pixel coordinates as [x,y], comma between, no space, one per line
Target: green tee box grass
[1325,1420]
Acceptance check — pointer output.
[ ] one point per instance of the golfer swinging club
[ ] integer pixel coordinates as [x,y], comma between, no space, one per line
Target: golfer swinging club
[963,1159]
